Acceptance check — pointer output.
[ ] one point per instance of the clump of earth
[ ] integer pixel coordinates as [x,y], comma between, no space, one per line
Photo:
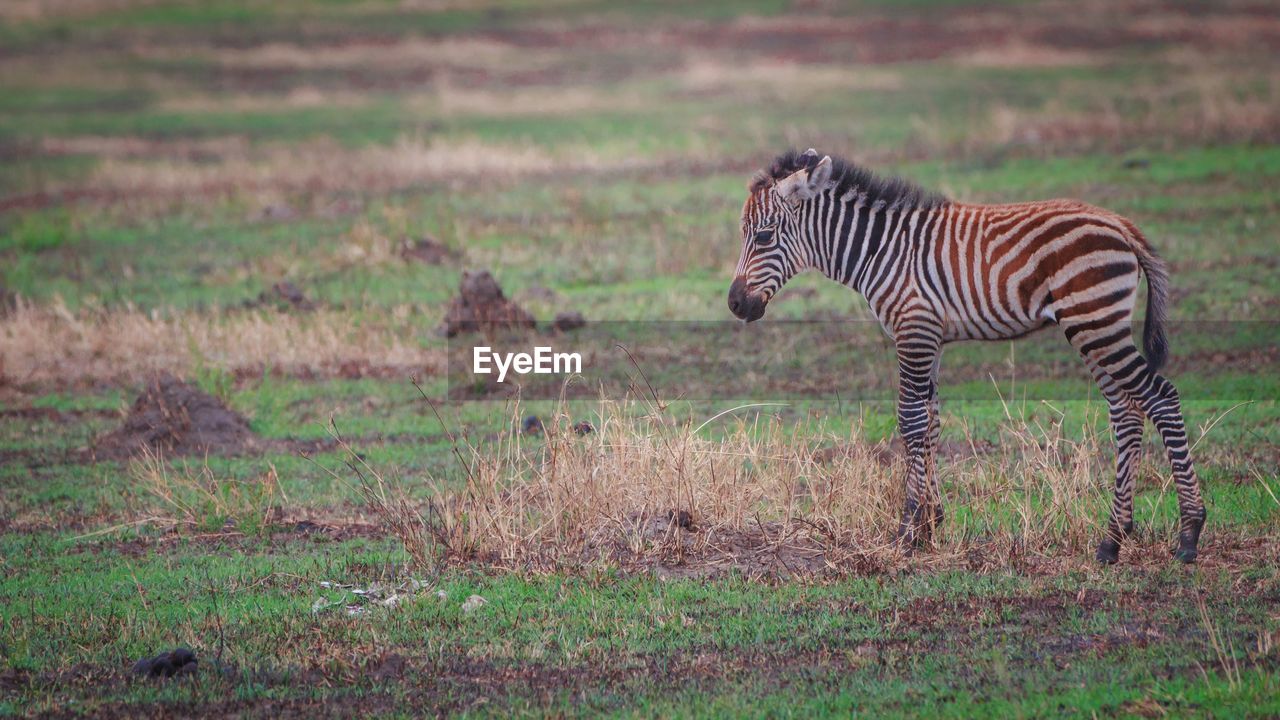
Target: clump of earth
[481,305]
[173,417]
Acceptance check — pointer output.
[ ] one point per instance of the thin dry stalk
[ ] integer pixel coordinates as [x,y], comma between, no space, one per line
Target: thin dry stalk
[1223,650]
[398,515]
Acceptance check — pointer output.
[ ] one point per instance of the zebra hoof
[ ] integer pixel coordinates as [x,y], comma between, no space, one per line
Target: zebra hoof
[1189,541]
[1108,552]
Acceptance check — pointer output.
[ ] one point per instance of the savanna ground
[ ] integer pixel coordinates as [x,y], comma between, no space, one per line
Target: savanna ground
[166,164]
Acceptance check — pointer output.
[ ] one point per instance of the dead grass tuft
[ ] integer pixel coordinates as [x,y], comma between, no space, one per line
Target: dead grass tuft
[764,497]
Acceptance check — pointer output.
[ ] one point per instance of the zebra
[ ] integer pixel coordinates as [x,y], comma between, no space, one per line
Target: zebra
[936,271]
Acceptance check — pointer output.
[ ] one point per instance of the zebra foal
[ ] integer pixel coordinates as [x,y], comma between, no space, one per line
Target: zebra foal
[936,271]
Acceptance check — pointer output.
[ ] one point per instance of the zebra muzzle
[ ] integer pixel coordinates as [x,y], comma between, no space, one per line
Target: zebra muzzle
[743,304]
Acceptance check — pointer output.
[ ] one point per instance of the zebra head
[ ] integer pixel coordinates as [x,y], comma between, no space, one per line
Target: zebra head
[773,245]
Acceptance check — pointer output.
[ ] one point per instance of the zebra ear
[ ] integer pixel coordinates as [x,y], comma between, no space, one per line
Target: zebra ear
[803,185]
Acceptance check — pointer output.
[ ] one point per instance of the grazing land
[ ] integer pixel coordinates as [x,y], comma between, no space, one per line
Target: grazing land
[230,235]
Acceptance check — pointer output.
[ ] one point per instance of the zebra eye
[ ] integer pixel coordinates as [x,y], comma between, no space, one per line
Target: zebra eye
[764,237]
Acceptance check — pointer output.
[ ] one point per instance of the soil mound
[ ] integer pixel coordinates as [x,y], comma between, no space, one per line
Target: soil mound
[481,305]
[175,418]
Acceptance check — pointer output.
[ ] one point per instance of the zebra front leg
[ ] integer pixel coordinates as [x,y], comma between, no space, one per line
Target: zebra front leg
[917,362]
[931,462]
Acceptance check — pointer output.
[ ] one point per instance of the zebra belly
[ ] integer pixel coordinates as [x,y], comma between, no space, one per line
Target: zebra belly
[958,329]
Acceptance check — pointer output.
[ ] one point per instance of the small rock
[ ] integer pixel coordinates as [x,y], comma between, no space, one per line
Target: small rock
[278,212]
[532,425]
[681,518]
[426,250]
[566,321]
[442,595]
[540,293]
[179,661]
[473,602]
[284,295]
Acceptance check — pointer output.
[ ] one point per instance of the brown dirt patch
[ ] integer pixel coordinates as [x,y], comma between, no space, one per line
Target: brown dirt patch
[172,417]
[481,306]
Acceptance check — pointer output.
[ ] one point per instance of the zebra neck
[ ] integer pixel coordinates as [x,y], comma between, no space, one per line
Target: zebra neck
[851,236]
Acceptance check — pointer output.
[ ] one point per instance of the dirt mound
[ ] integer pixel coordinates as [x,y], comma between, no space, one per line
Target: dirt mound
[481,305]
[175,418]
[426,250]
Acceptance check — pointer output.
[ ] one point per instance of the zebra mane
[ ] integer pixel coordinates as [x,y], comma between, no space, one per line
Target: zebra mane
[892,192]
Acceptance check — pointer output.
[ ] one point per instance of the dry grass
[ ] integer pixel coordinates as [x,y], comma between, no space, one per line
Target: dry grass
[298,98]
[129,146]
[197,498]
[401,54]
[1018,53]
[324,165]
[452,98]
[708,74]
[1201,105]
[29,10]
[765,497]
[55,345]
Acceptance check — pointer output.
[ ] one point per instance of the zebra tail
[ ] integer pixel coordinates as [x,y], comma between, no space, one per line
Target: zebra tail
[1155,343]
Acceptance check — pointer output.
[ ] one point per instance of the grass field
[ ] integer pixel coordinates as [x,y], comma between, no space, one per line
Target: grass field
[166,164]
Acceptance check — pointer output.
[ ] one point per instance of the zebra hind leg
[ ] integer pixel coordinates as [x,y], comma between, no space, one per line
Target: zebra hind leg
[1126,424]
[1111,351]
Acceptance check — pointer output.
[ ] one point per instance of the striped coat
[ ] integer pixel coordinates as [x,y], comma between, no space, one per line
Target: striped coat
[936,271]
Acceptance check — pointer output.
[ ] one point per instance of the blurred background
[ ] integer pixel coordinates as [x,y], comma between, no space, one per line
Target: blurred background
[171,169]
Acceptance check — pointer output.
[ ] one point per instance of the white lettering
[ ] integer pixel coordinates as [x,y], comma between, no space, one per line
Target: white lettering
[480,360]
[543,361]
